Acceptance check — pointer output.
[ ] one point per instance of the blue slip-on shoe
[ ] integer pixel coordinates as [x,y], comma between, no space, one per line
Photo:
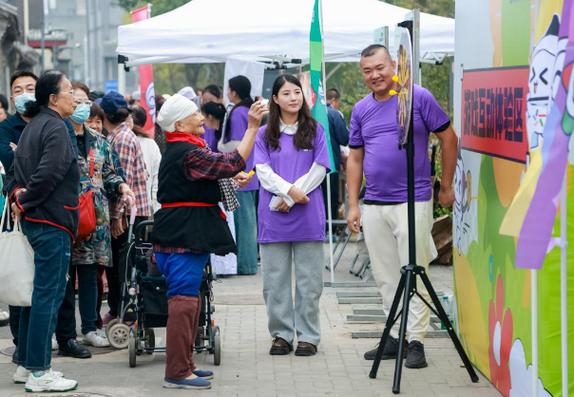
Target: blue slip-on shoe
[203,373]
[195,383]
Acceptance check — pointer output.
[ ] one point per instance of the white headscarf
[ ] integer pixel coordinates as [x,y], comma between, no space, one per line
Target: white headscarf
[175,108]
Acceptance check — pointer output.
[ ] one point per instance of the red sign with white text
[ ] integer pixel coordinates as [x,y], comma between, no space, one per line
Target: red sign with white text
[147,92]
[494,112]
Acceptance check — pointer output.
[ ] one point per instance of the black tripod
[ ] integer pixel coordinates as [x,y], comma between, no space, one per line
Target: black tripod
[407,287]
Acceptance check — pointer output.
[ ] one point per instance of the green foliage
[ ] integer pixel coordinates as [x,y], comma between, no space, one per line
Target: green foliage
[157,6]
[169,78]
[347,78]
[444,8]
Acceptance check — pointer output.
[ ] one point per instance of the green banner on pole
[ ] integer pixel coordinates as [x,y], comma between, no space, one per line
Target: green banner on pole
[319,109]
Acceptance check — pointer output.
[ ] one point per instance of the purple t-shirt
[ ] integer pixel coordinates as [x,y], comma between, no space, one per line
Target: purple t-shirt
[210,138]
[237,128]
[374,127]
[304,222]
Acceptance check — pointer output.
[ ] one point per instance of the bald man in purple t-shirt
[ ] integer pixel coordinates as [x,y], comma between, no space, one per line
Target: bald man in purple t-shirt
[375,153]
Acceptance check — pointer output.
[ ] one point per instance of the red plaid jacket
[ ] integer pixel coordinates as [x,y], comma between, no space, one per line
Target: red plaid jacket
[202,163]
[125,143]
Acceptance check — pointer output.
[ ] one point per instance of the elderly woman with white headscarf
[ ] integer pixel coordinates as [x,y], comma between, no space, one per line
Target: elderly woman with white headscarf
[190,224]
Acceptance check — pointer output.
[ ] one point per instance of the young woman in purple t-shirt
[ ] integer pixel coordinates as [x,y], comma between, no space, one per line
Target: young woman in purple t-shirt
[291,160]
[245,217]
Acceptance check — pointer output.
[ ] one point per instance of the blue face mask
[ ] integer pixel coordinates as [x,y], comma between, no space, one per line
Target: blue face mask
[81,114]
[21,100]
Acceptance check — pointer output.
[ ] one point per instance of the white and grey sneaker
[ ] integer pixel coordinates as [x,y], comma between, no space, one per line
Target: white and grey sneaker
[93,338]
[21,374]
[49,382]
[101,332]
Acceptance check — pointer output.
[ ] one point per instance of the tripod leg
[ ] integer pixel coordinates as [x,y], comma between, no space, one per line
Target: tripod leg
[444,318]
[407,295]
[388,325]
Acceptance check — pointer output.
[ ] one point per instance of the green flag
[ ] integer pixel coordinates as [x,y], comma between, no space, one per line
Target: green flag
[319,110]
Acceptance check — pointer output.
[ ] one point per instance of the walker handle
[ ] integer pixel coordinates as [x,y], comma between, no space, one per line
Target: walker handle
[133,210]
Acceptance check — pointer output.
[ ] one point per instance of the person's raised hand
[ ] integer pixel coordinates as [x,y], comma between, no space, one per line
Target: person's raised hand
[256,113]
[243,178]
[125,191]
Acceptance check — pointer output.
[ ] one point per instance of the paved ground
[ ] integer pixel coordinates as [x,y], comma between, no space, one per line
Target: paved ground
[247,369]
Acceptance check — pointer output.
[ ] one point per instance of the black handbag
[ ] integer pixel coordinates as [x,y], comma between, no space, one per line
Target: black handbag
[154,305]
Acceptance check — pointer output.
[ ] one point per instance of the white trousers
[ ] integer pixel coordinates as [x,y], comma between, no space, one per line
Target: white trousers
[225,265]
[386,234]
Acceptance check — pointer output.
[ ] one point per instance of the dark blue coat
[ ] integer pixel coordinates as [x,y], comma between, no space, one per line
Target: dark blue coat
[10,132]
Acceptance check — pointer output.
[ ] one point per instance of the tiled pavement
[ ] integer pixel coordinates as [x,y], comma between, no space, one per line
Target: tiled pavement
[247,369]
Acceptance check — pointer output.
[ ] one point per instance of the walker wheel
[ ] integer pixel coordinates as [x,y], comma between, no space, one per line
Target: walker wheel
[110,325]
[216,346]
[118,335]
[132,348]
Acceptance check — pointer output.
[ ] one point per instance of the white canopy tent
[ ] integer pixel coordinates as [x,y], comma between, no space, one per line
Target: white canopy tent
[204,31]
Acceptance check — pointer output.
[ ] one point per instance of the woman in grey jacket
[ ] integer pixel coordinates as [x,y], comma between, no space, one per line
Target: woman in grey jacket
[44,188]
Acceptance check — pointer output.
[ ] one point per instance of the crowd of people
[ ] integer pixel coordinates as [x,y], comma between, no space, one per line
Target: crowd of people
[247,180]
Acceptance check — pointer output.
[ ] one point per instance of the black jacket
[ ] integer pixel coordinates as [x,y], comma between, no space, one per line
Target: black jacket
[45,165]
[338,132]
[10,132]
[200,229]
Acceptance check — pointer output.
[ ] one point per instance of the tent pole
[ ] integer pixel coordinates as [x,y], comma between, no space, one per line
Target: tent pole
[329,215]
[121,79]
[564,287]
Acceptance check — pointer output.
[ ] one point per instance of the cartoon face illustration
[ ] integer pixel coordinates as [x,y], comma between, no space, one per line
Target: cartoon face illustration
[540,81]
[462,206]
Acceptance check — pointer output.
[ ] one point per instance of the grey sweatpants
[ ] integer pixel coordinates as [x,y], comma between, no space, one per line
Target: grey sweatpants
[286,316]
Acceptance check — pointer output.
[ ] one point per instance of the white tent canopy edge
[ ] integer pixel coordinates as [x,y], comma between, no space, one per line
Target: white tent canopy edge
[205,31]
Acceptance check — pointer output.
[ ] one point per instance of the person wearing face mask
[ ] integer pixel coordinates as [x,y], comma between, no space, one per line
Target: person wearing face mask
[98,173]
[22,87]
[43,183]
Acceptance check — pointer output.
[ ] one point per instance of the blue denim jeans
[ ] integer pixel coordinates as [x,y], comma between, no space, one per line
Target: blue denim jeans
[52,250]
[246,232]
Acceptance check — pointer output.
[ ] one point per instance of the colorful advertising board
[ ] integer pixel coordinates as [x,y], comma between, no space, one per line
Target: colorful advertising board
[514,209]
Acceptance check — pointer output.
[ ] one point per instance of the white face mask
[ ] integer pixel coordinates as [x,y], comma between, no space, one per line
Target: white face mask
[21,100]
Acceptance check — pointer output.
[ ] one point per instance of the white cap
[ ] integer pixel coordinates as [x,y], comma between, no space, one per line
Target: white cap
[175,108]
[136,95]
[187,92]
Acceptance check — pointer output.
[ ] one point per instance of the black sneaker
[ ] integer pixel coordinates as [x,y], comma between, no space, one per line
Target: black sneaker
[389,352]
[72,348]
[416,355]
